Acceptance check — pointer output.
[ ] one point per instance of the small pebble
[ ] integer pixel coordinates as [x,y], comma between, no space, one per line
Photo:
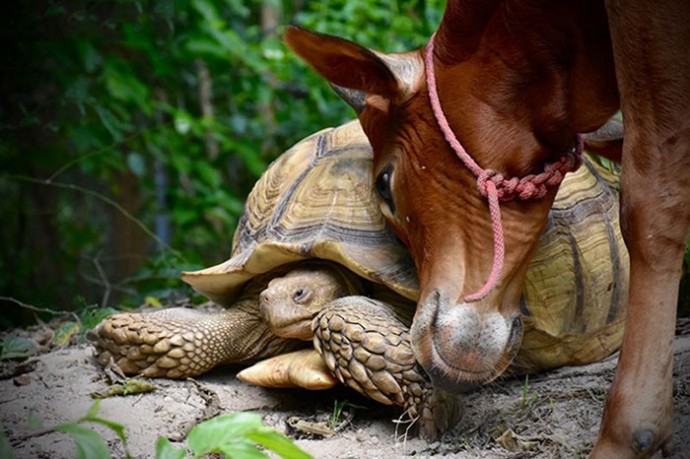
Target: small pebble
[22,380]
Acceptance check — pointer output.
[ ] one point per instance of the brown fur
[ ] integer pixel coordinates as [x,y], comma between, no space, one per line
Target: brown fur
[517,80]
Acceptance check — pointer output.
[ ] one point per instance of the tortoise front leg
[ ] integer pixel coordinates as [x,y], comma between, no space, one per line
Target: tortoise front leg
[181,342]
[368,348]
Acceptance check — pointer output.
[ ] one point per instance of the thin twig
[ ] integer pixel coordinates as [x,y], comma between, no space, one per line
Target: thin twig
[115,287]
[37,309]
[207,110]
[104,279]
[102,150]
[39,433]
[101,197]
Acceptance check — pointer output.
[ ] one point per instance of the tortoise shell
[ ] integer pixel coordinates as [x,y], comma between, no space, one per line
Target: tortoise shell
[317,201]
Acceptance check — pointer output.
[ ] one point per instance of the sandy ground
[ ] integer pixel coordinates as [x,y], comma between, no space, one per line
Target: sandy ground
[557,416]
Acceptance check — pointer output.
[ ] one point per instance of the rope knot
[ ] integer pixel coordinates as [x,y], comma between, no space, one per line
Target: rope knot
[493,185]
[533,186]
[488,179]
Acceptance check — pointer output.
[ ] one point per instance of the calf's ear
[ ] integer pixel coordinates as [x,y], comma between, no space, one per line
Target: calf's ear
[360,76]
[607,141]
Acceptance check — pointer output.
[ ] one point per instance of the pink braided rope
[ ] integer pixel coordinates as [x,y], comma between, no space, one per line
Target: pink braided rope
[493,185]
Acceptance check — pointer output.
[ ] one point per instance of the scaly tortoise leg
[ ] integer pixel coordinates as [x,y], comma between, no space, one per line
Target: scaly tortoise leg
[181,342]
[368,348]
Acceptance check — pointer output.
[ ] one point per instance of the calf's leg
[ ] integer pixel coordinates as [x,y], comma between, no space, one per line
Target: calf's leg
[650,42]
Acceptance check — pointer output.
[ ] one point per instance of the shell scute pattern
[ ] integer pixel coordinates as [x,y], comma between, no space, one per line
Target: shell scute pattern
[316,202]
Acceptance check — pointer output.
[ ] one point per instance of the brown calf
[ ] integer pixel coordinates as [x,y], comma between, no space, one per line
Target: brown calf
[517,81]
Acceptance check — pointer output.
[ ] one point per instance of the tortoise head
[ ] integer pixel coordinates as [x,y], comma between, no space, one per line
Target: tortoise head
[290,302]
[431,199]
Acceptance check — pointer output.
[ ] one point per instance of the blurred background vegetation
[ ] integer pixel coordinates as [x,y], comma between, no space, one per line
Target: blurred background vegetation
[131,132]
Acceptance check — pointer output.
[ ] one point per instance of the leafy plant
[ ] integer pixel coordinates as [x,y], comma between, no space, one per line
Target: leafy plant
[336,416]
[132,132]
[17,348]
[526,401]
[5,448]
[237,436]
[88,442]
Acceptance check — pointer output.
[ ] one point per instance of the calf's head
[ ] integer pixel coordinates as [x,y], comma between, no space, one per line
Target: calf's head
[431,199]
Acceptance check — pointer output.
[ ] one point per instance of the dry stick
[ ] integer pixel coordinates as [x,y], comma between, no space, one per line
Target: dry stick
[37,309]
[39,433]
[104,279]
[113,287]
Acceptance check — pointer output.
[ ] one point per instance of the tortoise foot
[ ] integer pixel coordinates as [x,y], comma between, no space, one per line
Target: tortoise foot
[171,343]
[299,369]
[439,413]
[367,347]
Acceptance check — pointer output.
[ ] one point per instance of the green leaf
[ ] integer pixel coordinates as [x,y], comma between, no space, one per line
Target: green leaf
[34,421]
[136,163]
[63,335]
[241,450]
[152,301]
[89,443]
[235,435]
[5,447]
[119,429]
[123,84]
[208,435]
[208,174]
[95,408]
[109,121]
[17,347]
[165,450]
[278,443]
[183,123]
[93,316]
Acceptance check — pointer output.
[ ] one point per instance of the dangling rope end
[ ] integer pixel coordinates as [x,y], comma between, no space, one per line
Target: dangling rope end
[499,245]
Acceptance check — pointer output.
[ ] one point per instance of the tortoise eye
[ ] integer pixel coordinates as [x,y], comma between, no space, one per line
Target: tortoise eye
[383,186]
[301,295]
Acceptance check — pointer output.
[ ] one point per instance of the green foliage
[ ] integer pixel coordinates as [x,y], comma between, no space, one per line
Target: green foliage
[236,436]
[526,401]
[336,416]
[5,448]
[88,443]
[17,348]
[133,131]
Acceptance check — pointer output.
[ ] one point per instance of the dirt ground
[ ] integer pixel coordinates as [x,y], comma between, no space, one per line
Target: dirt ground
[554,415]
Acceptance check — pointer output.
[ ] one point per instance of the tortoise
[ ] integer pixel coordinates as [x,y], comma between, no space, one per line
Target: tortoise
[314,260]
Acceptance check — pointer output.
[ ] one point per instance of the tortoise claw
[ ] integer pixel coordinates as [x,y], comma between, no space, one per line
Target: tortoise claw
[368,349]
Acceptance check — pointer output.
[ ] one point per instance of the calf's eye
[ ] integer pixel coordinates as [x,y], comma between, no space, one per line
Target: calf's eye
[383,187]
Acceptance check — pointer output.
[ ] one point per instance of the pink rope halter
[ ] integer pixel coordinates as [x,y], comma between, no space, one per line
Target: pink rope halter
[493,185]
